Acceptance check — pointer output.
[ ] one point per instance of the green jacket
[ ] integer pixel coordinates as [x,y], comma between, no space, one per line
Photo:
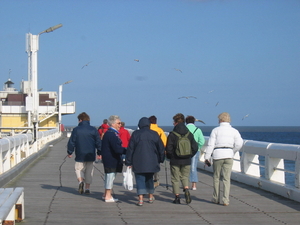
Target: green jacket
[198,135]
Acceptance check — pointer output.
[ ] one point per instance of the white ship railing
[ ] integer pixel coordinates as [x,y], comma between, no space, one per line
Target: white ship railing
[15,149]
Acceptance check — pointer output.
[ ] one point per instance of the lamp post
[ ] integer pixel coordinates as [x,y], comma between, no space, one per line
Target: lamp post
[60,89]
[32,45]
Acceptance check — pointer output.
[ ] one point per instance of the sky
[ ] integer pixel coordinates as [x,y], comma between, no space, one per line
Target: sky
[235,56]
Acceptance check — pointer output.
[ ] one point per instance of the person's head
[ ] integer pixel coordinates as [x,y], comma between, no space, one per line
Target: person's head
[122,124]
[190,119]
[153,119]
[224,117]
[105,121]
[115,122]
[144,122]
[178,118]
[83,116]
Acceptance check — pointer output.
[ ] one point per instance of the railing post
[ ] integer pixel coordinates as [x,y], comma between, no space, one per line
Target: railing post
[297,170]
[236,162]
[271,173]
[250,164]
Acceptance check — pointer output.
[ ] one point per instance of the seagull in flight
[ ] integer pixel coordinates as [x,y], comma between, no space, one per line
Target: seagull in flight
[187,97]
[86,64]
[245,116]
[137,60]
[199,121]
[178,70]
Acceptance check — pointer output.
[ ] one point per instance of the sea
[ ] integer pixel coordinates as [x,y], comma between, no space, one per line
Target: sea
[272,134]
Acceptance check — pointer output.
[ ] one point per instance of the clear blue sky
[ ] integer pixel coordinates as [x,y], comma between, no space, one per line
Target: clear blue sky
[238,56]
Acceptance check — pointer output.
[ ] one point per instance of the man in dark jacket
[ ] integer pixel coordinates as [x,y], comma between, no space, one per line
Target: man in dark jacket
[111,152]
[84,140]
[180,167]
[144,154]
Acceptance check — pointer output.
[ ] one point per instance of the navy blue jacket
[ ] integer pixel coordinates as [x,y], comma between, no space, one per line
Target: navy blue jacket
[145,150]
[172,140]
[112,151]
[84,140]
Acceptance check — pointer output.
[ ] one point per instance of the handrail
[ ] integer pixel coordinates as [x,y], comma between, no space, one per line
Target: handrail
[14,149]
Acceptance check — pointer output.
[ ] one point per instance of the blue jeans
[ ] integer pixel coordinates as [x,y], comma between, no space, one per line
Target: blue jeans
[194,163]
[144,183]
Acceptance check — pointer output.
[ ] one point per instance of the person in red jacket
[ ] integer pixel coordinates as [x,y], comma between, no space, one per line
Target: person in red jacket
[103,128]
[124,135]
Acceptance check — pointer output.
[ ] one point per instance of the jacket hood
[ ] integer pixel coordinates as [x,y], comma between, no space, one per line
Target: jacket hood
[180,128]
[144,122]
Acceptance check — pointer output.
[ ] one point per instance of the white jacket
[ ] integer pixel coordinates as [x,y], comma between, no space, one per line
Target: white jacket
[224,142]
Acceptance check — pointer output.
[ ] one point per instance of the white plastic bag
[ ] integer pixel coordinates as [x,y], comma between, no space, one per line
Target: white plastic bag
[128,179]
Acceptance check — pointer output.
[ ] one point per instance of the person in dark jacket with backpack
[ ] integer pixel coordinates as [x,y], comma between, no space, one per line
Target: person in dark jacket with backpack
[84,141]
[180,165]
[144,154]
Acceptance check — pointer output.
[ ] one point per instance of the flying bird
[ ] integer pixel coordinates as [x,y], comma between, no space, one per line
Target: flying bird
[245,116]
[86,64]
[178,70]
[187,97]
[137,60]
[217,103]
[199,121]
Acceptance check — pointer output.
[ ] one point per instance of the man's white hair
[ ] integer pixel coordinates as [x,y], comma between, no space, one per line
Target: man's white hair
[112,119]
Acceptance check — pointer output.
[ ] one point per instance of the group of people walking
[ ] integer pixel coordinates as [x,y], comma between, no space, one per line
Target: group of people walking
[147,148]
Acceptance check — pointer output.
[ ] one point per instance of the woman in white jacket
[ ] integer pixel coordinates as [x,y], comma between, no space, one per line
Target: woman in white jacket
[223,143]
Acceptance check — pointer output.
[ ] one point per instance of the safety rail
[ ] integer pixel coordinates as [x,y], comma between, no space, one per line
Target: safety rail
[264,165]
[14,149]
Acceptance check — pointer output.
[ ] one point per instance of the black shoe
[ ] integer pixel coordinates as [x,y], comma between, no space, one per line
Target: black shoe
[80,189]
[87,192]
[176,200]
[187,196]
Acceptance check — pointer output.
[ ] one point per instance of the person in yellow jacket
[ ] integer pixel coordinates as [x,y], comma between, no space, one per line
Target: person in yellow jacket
[163,137]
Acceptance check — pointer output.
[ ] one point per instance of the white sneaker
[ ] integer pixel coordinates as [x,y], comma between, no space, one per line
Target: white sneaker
[111,200]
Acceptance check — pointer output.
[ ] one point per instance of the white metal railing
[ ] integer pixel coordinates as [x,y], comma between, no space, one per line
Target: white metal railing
[14,149]
[265,165]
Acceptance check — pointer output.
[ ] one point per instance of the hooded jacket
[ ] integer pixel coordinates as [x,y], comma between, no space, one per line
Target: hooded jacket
[145,150]
[172,140]
[84,140]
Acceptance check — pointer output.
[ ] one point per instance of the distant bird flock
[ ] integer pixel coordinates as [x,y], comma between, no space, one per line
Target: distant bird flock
[142,78]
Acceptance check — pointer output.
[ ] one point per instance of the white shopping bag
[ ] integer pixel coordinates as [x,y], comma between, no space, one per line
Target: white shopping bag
[128,179]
